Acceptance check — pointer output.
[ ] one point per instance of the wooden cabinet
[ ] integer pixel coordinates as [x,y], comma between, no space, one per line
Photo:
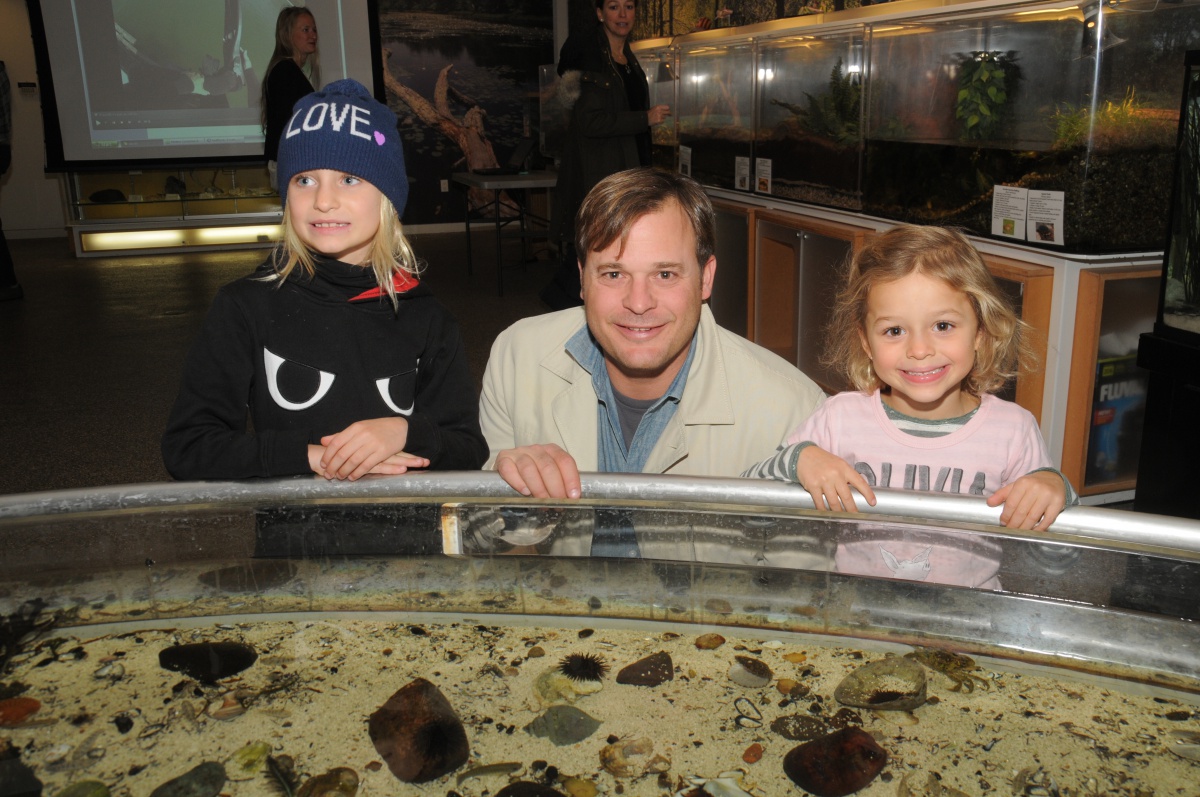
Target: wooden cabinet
[797,264]
[1107,394]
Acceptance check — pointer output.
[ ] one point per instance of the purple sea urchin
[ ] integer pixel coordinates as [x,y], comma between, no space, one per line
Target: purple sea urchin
[583,666]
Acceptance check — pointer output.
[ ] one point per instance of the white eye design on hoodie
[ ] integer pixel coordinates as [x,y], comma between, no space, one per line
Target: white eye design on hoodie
[382,386]
[274,362]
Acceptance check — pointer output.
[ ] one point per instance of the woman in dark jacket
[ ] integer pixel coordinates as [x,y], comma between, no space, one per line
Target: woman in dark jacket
[609,129]
[292,73]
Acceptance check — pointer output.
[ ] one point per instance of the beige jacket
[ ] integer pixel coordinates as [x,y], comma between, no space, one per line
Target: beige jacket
[739,404]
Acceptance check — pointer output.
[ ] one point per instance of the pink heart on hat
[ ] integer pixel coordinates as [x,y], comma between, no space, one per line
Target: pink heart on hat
[379,139]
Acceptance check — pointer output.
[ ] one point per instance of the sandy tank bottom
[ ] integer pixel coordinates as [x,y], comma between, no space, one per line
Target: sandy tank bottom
[109,712]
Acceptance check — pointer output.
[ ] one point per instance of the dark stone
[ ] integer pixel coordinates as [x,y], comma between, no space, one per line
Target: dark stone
[526,789]
[16,779]
[564,725]
[208,662]
[205,780]
[835,765]
[418,734]
[653,670]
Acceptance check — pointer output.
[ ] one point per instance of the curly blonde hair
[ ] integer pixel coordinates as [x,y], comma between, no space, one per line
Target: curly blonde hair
[390,252]
[1005,347]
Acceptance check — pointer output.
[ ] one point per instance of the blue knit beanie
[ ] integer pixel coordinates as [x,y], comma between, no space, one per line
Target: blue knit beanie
[342,127]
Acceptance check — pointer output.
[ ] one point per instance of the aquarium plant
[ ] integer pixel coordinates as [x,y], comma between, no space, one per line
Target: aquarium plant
[987,80]
[1111,126]
[834,114]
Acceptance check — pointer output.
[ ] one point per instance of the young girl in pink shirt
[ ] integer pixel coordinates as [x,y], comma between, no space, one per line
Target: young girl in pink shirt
[924,335]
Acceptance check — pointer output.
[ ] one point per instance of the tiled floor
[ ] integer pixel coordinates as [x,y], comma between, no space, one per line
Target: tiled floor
[90,358]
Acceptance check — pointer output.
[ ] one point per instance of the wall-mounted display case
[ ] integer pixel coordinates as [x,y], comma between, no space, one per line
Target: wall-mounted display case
[163,210]
[918,113]
[810,110]
[171,193]
[715,113]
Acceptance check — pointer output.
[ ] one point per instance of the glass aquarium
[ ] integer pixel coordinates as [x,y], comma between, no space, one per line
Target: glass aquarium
[1070,110]
[301,637]
[715,115]
[658,61]
[1075,105]
[554,110]
[810,90]
[1180,301]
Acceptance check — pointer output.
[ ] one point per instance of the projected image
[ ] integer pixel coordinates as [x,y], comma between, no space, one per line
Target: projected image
[176,80]
[172,63]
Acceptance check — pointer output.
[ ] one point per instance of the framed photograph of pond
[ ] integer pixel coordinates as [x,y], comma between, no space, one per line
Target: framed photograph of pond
[463,80]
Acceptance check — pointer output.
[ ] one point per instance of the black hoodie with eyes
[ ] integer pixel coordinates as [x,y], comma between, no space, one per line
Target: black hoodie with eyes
[307,358]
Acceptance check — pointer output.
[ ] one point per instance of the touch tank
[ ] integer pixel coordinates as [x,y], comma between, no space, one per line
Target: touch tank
[715,113]
[164,639]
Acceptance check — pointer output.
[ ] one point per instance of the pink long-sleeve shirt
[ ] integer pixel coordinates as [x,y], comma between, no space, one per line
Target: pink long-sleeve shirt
[999,444]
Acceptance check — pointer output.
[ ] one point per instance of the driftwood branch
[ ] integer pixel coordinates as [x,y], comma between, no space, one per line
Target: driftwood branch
[468,134]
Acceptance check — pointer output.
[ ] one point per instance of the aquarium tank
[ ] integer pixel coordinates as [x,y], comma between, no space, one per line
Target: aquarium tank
[658,61]
[554,109]
[715,113]
[810,114]
[1071,110]
[1080,101]
[1180,301]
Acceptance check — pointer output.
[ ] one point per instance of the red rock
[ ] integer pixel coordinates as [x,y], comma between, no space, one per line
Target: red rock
[16,710]
[418,734]
[753,754]
[835,765]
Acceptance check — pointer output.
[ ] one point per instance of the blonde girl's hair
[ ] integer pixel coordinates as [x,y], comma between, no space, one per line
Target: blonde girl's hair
[1005,348]
[390,253]
[288,16]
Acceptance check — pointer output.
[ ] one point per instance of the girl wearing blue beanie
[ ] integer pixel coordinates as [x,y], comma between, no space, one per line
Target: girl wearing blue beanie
[341,360]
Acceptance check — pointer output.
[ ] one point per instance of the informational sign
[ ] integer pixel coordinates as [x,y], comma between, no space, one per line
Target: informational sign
[1044,217]
[1028,215]
[1008,211]
[741,170]
[685,160]
[762,175]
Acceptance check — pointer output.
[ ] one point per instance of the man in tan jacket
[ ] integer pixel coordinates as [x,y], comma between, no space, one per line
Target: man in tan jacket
[640,379]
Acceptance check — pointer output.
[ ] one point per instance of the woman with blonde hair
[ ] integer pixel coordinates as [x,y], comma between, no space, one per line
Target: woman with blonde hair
[293,71]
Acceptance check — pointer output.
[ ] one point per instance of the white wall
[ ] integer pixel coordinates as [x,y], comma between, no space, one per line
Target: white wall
[32,203]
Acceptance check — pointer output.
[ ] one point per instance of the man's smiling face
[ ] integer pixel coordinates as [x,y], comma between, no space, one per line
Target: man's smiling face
[643,301]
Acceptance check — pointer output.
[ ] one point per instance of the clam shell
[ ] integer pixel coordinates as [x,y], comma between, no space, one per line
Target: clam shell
[893,684]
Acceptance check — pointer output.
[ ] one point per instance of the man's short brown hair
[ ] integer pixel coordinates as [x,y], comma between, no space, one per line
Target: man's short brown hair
[619,200]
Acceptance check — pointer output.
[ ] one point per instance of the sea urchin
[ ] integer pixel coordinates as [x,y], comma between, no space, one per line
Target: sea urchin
[583,666]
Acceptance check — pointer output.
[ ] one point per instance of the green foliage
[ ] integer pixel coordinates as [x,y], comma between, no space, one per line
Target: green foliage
[1114,125]
[986,81]
[835,114]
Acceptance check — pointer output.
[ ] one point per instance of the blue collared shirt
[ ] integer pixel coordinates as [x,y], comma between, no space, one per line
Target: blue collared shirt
[614,535]
[613,456]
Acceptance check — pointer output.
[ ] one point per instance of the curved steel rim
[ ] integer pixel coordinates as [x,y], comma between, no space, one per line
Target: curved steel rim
[1122,528]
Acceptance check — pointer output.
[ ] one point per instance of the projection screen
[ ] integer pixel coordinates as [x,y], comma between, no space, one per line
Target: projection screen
[129,83]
